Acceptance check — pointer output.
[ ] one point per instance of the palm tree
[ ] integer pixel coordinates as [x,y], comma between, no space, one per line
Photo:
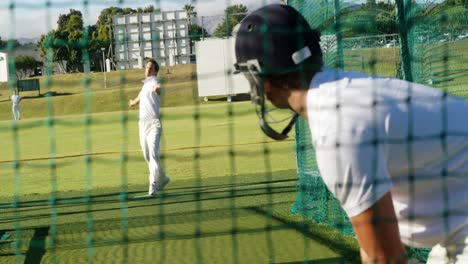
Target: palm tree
[190,13]
[189,9]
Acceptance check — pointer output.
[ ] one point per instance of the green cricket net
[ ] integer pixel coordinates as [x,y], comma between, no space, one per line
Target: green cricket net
[72,175]
[419,41]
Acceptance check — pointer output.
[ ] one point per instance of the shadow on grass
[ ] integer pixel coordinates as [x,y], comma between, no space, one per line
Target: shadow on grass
[176,196]
[37,246]
[49,94]
[153,216]
[324,238]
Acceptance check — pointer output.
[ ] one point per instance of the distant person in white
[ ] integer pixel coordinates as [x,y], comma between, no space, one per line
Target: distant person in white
[150,127]
[15,107]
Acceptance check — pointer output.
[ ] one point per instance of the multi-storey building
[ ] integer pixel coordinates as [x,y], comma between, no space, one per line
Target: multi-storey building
[160,35]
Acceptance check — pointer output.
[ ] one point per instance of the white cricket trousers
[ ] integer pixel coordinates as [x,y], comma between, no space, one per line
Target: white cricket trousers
[16,112]
[454,251]
[150,136]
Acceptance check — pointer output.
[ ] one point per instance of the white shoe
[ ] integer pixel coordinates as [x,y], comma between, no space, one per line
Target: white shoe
[154,190]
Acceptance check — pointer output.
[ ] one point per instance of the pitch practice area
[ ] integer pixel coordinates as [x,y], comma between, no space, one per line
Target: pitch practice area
[72,177]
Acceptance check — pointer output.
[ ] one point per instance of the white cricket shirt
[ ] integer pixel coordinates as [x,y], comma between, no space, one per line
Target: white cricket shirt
[373,135]
[149,100]
[15,99]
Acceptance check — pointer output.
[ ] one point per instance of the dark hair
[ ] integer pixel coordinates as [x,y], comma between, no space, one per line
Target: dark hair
[156,65]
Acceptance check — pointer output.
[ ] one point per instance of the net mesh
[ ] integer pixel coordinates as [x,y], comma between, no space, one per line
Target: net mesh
[72,174]
[426,50]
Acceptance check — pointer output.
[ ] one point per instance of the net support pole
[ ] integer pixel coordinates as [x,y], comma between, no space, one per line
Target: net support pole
[404,24]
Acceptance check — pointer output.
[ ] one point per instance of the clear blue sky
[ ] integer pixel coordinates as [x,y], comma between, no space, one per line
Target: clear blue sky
[32,18]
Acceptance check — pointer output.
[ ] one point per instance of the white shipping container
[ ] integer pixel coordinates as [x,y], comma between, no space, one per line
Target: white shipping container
[215,63]
[4,74]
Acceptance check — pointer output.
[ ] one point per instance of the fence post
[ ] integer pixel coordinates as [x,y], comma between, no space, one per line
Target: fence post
[404,25]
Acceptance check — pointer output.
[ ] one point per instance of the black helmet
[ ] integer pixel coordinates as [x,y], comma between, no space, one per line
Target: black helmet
[278,37]
[274,39]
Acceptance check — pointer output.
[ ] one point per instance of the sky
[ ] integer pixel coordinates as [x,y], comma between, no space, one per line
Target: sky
[32,18]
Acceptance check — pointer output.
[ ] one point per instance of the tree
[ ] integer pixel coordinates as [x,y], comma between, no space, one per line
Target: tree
[128,10]
[103,25]
[189,9]
[197,32]
[233,15]
[448,17]
[67,42]
[149,9]
[457,2]
[4,43]
[101,32]
[52,47]
[25,66]
[369,19]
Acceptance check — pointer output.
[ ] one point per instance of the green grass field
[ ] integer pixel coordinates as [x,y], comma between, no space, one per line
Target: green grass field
[228,201]
[71,168]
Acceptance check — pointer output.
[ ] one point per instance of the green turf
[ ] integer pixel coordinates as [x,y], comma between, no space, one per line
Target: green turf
[75,94]
[244,219]
[213,137]
[71,168]
[228,201]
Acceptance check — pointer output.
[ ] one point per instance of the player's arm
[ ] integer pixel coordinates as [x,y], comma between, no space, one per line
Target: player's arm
[378,235]
[135,101]
[157,88]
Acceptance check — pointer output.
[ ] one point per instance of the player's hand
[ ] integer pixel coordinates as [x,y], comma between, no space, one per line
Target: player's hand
[157,88]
